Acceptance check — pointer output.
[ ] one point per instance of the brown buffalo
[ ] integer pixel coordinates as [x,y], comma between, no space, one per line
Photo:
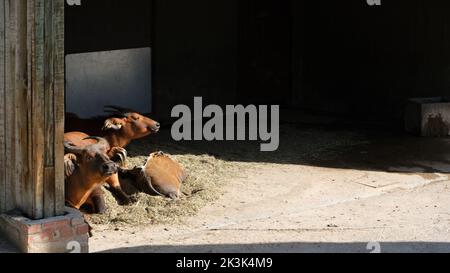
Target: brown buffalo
[87,168]
[161,176]
[119,131]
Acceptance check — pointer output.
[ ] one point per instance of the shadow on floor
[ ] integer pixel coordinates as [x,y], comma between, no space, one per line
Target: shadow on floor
[377,149]
[388,247]
[321,141]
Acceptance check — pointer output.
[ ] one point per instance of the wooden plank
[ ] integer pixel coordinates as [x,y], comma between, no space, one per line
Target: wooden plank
[58,47]
[10,53]
[49,193]
[2,109]
[23,185]
[49,85]
[37,134]
[29,40]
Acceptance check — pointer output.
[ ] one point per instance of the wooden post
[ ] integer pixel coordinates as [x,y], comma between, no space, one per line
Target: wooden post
[58,102]
[2,109]
[32,107]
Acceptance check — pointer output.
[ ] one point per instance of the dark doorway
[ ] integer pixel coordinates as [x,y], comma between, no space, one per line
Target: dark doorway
[102,25]
[264,52]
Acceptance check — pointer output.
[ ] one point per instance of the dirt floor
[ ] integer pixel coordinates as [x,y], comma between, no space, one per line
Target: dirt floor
[329,188]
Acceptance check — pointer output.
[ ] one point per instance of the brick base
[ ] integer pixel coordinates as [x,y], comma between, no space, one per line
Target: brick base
[62,234]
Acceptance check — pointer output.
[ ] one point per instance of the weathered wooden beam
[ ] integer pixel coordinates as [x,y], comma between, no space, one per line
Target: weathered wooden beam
[32,107]
[10,53]
[2,109]
[48,121]
[48,111]
[23,183]
[37,135]
[59,103]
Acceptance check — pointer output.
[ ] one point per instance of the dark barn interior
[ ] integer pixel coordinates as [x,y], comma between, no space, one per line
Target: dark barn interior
[341,58]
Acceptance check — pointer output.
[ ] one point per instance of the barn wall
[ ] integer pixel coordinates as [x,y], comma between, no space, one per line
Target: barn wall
[264,52]
[227,51]
[194,44]
[103,25]
[32,107]
[194,52]
[332,57]
[335,57]
[363,61]
[108,47]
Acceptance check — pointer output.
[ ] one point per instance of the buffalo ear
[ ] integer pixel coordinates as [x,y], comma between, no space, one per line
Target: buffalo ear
[69,165]
[113,124]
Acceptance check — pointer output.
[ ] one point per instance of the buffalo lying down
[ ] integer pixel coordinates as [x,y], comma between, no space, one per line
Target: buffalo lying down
[125,126]
[161,176]
[119,130]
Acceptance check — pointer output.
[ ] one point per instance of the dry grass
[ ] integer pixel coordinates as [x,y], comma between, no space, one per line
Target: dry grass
[206,174]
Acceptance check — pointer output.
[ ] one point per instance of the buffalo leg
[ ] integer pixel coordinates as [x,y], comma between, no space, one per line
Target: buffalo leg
[116,190]
[122,198]
[96,202]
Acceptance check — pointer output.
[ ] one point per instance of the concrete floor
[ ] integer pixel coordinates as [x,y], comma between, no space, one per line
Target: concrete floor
[392,192]
[328,214]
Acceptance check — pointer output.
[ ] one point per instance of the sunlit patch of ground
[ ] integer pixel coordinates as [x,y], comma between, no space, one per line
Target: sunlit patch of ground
[211,164]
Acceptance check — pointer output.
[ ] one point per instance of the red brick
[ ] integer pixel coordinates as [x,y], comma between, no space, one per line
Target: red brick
[83,229]
[46,236]
[33,229]
[78,222]
[66,232]
[49,235]
[29,228]
[33,239]
[56,224]
[43,237]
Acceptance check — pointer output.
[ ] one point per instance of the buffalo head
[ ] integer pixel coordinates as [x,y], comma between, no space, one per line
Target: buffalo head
[129,123]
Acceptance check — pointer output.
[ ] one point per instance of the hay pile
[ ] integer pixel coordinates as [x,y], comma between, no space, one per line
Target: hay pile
[206,174]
